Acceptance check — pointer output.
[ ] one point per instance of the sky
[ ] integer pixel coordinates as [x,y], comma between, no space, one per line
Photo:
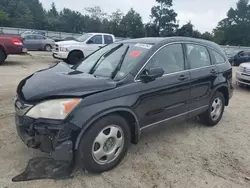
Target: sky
[204,14]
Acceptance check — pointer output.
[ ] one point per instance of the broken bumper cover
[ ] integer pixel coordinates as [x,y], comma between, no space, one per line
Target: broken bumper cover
[50,136]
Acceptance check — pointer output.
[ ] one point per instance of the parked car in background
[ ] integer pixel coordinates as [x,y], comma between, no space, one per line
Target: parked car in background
[95,109]
[73,51]
[33,32]
[10,44]
[37,42]
[243,74]
[239,57]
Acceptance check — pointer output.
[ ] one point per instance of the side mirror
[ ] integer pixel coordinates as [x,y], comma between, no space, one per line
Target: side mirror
[90,42]
[151,74]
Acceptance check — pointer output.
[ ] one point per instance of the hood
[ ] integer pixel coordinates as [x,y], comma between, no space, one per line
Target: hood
[69,42]
[247,65]
[61,81]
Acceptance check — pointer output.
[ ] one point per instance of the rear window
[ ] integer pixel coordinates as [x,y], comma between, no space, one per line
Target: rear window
[219,59]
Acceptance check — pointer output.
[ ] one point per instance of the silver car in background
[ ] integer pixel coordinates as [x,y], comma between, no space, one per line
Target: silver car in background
[37,42]
[243,74]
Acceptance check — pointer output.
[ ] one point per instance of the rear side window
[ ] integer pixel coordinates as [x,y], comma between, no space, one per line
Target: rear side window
[219,59]
[197,56]
[39,37]
[30,37]
[108,39]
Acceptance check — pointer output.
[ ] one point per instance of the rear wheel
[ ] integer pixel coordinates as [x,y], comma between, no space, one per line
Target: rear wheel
[104,145]
[75,57]
[2,56]
[216,109]
[48,48]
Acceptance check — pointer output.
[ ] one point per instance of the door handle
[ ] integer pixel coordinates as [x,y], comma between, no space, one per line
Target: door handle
[183,77]
[213,71]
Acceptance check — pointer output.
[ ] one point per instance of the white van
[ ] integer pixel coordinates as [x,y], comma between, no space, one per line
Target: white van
[74,50]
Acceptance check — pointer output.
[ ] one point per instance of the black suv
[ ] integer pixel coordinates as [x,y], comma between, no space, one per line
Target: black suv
[94,109]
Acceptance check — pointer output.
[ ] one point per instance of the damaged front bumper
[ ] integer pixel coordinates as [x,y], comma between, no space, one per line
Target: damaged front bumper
[51,136]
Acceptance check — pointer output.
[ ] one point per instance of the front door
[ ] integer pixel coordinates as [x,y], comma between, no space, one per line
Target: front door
[94,43]
[202,77]
[166,98]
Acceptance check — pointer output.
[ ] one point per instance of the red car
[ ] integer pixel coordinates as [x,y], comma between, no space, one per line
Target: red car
[10,44]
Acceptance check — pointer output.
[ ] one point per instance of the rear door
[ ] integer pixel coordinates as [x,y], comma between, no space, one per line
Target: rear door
[108,39]
[202,77]
[30,42]
[39,42]
[165,99]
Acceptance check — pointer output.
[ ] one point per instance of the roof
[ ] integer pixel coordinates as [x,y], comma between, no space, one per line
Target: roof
[100,34]
[155,40]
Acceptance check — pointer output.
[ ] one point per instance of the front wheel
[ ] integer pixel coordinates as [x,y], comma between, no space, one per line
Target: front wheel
[104,145]
[216,109]
[75,57]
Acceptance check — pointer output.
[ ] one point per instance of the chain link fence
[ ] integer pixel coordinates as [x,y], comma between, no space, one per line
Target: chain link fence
[49,34]
[229,50]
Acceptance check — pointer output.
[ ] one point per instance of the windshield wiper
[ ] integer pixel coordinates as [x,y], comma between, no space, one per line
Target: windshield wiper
[104,56]
[119,65]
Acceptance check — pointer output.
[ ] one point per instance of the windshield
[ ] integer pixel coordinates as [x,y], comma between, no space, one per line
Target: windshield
[104,62]
[84,37]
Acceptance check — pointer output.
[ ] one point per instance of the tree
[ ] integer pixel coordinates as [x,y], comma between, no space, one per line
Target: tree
[207,36]
[234,30]
[131,25]
[164,18]
[187,30]
[3,17]
[115,21]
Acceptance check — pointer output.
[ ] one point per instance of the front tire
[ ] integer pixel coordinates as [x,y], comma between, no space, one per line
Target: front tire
[75,57]
[215,111]
[104,145]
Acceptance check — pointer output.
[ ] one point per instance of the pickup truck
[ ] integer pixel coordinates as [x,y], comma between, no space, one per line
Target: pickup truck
[74,51]
[10,44]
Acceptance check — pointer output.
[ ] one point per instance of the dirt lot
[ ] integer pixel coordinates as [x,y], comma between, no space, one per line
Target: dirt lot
[184,155]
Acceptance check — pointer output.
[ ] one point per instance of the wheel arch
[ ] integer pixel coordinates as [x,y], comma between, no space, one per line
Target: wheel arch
[126,113]
[75,50]
[224,90]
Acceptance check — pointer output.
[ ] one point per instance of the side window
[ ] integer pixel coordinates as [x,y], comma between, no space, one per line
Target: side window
[108,39]
[97,39]
[197,56]
[31,37]
[38,37]
[219,59]
[169,58]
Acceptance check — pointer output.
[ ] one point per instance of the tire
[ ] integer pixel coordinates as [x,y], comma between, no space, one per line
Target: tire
[75,57]
[240,84]
[2,56]
[92,141]
[48,48]
[212,119]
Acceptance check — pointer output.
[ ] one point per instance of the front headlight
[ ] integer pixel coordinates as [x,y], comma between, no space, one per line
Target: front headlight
[63,49]
[53,109]
[241,69]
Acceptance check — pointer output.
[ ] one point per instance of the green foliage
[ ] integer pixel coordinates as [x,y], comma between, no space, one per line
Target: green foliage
[233,30]
[163,18]
[131,25]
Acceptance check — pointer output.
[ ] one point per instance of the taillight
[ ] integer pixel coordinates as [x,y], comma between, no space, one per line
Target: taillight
[17,42]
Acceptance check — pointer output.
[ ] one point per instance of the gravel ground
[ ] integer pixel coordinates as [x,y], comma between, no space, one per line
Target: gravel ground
[183,155]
